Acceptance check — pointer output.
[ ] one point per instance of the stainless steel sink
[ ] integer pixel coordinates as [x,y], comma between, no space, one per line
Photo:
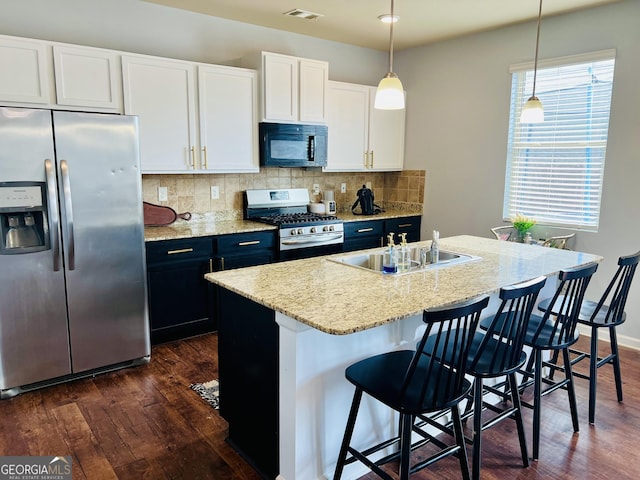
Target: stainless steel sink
[373,261]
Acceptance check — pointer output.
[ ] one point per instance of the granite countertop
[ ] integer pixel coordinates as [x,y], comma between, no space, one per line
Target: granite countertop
[389,213]
[340,299]
[204,226]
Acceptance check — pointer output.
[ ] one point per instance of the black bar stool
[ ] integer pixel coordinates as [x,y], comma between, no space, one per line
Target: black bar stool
[413,383]
[499,353]
[606,313]
[555,332]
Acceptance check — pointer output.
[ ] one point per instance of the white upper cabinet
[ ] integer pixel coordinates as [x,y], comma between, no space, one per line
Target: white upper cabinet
[161,93]
[314,77]
[57,75]
[87,77]
[348,127]
[25,68]
[189,124]
[362,138]
[294,89]
[228,119]
[280,88]
[386,137]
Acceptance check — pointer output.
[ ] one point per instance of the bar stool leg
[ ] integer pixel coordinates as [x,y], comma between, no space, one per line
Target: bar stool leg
[457,429]
[593,372]
[405,444]
[477,428]
[353,413]
[537,397]
[515,399]
[616,362]
[571,389]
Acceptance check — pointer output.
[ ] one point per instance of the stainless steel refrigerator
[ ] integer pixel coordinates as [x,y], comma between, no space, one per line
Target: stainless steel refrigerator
[72,269]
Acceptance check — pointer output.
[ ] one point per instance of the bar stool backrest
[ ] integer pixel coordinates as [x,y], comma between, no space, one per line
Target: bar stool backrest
[561,317]
[501,346]
[615,296]
[452,330]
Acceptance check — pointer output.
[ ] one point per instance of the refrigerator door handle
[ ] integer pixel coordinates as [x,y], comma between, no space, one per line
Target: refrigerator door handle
[54,221]
[66,187]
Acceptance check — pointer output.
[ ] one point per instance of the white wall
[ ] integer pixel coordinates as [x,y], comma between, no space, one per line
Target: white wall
[458,98]
[457,120]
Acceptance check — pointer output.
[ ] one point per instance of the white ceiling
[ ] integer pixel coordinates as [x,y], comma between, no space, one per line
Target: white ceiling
[356,21]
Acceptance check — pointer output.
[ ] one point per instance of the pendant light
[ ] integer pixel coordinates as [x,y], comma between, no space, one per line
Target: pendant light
[533,112]
[390,94]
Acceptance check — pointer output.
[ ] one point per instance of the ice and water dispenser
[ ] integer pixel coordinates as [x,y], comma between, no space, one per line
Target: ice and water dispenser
[23,218]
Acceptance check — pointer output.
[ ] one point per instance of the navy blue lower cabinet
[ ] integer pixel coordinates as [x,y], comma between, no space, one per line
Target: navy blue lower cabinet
[248,349]
[408,225]
[180,299]
[363,234]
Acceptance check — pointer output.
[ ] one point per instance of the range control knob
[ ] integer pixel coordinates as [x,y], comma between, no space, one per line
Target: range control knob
[300,231]
[292,231]
[313,230]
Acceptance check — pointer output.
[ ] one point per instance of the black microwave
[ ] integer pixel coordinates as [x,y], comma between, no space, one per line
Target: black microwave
[293,145]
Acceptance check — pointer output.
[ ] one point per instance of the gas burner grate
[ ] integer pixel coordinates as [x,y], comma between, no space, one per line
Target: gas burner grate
[296,219]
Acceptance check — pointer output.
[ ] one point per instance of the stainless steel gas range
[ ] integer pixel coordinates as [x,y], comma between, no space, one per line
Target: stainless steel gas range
[301,234]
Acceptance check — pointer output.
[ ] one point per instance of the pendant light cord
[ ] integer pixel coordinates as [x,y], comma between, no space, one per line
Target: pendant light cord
[391,39]
[535,63]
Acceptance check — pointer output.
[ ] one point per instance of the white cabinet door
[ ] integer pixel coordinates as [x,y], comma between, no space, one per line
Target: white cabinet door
[294,89]
[24,71]
[348,124]
[362,138]
[314,76]
[280,83]
[161,93]
[228,119]
[386,137]
[87,77]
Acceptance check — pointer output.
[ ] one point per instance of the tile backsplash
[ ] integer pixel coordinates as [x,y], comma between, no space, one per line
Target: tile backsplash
[192,193]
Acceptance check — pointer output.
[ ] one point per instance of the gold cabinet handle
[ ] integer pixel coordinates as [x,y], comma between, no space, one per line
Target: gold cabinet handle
[221,263]
[182,250]
[210,265]
[363,230]
[371,159]
[366,159]
[204,153]
[405,225]
[193,158]
[251,242]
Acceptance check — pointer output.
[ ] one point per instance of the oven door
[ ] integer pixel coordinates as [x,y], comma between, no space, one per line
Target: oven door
[290,145]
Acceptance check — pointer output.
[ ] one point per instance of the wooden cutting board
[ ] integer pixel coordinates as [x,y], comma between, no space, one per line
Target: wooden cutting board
[158,215]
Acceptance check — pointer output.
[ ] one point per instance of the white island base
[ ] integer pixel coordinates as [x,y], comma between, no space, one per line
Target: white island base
[315,397]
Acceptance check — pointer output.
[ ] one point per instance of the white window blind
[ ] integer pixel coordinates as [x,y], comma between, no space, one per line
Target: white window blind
[555,169]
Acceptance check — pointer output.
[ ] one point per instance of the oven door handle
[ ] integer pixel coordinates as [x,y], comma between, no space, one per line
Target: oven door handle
[318,239]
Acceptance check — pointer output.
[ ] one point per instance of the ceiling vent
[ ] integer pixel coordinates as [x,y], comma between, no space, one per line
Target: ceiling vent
[296,12]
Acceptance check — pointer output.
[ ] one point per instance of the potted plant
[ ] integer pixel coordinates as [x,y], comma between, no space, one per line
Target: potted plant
[522,224]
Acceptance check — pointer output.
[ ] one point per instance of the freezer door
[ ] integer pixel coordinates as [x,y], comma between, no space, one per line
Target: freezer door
[103,237]
[34,342]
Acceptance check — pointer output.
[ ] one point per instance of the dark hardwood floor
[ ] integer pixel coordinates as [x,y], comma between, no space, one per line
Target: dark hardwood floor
[145,423]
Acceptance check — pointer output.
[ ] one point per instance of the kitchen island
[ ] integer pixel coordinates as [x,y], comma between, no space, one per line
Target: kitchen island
[287,331]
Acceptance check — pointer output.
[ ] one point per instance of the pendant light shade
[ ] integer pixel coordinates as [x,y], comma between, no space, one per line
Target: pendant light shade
[390,94]
[533,112]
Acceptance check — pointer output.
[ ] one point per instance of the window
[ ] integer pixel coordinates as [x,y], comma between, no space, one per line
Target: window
[555,169]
